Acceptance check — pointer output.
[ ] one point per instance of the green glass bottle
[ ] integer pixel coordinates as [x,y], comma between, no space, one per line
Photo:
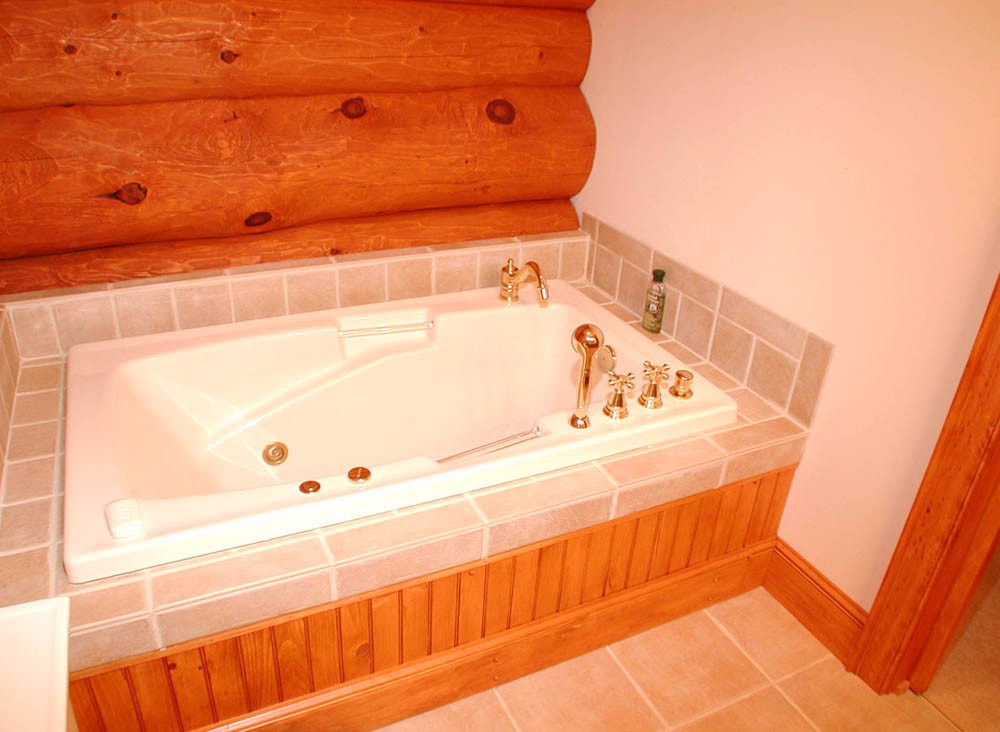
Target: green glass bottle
[656,297]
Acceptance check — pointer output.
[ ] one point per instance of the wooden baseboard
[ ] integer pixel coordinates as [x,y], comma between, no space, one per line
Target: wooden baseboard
[830,615]
[376,701]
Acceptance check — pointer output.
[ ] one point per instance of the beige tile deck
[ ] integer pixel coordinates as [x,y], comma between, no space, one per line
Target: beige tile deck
[744,665]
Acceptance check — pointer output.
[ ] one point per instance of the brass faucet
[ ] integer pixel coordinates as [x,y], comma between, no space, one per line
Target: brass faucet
[511,278]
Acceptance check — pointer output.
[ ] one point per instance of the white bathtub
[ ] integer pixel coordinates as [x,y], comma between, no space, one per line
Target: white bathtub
[165,433]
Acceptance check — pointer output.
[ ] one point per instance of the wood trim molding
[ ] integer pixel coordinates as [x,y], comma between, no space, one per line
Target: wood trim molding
[822,607]
[945,543]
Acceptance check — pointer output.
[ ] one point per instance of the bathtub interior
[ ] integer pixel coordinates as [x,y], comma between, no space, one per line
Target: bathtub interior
[196,420]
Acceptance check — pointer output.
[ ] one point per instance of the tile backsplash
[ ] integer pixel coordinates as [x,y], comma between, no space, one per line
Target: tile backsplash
[771,355]
[772,367]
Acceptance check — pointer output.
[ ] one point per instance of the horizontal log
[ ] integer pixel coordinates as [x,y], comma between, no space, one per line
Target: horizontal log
[87,177]
[393,231]
[568,4]
[63,52]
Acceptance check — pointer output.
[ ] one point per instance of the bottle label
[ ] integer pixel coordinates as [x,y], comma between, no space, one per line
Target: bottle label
[652,317]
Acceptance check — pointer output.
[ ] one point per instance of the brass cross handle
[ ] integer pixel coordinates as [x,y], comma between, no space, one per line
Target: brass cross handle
[621,383]
[654,373]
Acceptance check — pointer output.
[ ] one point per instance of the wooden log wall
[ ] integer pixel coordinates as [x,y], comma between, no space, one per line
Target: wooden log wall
[209,682]
[216,125]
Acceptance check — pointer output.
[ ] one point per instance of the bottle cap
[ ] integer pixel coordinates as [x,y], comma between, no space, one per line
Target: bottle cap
[658,275]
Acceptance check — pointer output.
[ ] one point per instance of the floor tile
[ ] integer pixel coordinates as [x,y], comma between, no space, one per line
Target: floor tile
[966,688]
[837,701]
[687,667]
[768,633]
[586,694]
[482,712]
[765,710]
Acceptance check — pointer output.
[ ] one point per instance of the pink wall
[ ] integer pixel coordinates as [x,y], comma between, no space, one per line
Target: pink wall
[838,162]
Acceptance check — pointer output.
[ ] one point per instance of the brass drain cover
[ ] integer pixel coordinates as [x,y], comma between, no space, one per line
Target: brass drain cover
[360,474]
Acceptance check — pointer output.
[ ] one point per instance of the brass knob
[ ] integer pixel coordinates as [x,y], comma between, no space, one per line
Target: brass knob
[682,385]
[654,375]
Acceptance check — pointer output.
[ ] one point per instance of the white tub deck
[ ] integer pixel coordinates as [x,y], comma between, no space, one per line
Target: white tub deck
[168,430]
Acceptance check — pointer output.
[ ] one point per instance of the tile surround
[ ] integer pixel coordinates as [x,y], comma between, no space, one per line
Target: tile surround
[126,615]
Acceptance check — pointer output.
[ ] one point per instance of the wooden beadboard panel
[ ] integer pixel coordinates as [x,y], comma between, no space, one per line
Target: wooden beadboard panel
[86,177]
[346,236]
[377,634]
[140,51]
[823,608]
[409,690]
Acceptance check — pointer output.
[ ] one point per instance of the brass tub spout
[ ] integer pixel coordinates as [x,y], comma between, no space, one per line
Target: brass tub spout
[511,278]
[587,340]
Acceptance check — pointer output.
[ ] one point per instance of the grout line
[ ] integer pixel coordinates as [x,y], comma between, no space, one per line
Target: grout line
[639,690]
[822,659]
[506,709]
[725,631]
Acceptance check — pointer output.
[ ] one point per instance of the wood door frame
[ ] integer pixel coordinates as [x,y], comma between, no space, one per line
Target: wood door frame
[949,535]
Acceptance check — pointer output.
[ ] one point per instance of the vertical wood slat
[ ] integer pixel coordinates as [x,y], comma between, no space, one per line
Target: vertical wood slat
[292,650]
[472,591]
[386,641]
[154,696]
[415,606]
[444,613]
[744,512]
[355,635]
[499,585]
[724,523]
[522,599]
[705,529]
[660,562]
[88,718]
[761,507]
[550,567]
[621,553]
[257,654]
[574,571]
[783,484]
[687,522]
[324,649]
[598,558]
[642,549]
[114,700]
[194,700]
[225,674]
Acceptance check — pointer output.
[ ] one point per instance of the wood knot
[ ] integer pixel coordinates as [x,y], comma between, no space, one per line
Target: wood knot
[334,251]
[353,108]
[229,56]
[257,219]
[70,49]
[363,650]
[501,111]
[130,193]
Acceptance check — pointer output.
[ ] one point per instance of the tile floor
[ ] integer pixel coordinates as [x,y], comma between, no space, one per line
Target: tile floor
[742,665]
[967,686]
